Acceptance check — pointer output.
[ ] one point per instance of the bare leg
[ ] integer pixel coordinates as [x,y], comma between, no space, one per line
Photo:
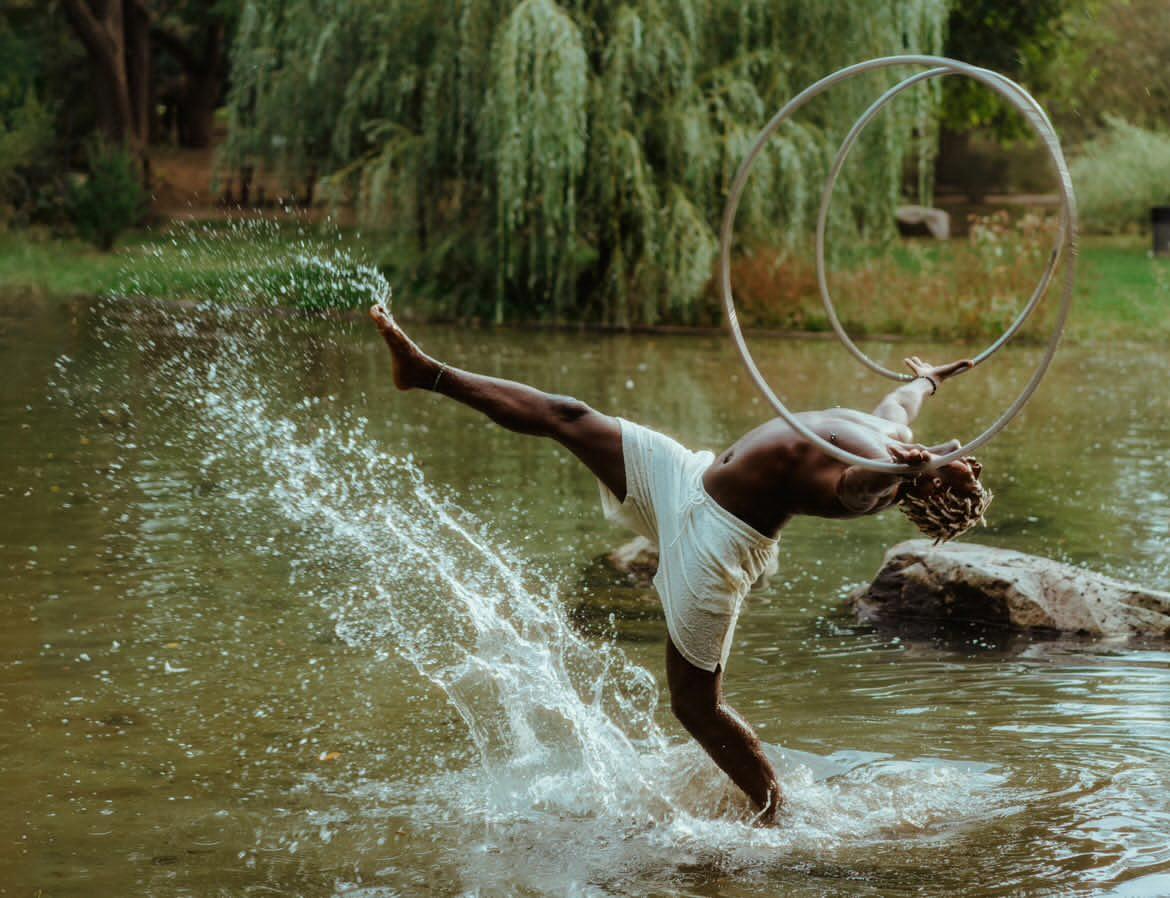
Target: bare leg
[696,697]
[593,437]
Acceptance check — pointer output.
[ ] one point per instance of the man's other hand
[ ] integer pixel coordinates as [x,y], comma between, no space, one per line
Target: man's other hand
[915,456]
[937,373]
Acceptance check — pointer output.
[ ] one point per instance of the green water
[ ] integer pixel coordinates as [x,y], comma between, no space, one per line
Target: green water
[178,720]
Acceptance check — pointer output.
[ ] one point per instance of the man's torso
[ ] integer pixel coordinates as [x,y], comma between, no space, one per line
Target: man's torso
[773,473]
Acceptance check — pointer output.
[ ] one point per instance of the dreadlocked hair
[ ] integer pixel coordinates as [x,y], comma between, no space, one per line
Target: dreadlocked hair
[947,513]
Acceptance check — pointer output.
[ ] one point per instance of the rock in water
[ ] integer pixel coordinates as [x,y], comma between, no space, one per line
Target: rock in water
[637,559]
[916,221]
[965,583]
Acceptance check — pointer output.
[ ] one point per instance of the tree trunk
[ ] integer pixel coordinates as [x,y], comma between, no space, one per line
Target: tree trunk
[196,111]
[246,185]
[136,28]
[204,74]
[114,116]
[112,32]
[310,187]
[420,214]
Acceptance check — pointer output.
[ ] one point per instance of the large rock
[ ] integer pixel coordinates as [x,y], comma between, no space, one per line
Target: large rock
[919,221]
[636,559]
[614,592]
[965,583]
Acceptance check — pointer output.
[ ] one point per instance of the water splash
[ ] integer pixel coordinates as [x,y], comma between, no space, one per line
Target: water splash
[570,756]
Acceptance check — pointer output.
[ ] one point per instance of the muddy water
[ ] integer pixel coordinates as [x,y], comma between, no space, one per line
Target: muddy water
[269,627]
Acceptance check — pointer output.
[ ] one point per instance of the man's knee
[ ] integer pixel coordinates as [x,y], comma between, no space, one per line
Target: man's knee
[570,420]
[595,438]
[565,410]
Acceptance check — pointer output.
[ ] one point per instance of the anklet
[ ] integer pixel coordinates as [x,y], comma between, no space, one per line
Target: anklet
[442,368]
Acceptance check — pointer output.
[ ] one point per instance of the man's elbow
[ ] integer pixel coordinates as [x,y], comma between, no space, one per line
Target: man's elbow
[893,409]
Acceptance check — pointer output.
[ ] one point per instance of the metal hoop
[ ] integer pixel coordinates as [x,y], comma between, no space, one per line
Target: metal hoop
[1035,116]
[827,195]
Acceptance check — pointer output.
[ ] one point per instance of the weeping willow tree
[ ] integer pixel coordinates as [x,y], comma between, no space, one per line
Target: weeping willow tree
[555,160]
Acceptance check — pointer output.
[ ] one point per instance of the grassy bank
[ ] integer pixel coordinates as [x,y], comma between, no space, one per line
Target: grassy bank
[250,261]
[956,290]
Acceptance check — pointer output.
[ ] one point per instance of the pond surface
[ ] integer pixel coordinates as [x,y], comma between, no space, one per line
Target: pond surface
[270,627]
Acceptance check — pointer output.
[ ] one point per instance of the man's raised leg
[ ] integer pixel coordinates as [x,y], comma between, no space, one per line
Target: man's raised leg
[594,438]
[696,698]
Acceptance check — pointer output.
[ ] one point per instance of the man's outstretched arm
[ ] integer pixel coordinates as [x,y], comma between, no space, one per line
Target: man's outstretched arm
[861,490]
[903,404]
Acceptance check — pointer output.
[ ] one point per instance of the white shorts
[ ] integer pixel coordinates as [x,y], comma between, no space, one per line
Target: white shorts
[708,558]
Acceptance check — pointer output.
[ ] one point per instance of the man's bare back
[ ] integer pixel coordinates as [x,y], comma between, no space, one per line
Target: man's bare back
[773,473]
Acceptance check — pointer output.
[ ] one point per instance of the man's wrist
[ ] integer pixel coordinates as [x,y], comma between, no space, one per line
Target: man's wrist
[930,380]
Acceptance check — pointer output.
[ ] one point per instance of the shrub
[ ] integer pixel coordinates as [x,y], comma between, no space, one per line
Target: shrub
[110,200]
[1120,175]
[26,135]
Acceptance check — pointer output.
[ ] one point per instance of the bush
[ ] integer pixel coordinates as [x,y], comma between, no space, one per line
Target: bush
[110,200]
[26,136]
[1120,175]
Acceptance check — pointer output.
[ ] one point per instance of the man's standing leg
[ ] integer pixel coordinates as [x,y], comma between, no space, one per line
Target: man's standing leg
[696,698]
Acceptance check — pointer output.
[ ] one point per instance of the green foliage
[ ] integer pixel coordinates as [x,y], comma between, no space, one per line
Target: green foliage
[1119,51]
[30,128]
[189,17]
[536,132]
[40,56]
[1012,38]
[573,158]
[1119,175]
[26,135]
[110,200]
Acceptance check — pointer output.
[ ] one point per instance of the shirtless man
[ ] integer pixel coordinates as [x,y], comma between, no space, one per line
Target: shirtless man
[716,520]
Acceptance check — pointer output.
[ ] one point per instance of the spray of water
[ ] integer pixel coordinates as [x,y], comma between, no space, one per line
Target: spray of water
[570,757]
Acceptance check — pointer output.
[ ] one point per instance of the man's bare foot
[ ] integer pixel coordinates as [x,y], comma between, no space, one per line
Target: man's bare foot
[413,368]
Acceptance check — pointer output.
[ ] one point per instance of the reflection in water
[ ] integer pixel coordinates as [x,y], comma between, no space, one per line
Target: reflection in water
[215,498]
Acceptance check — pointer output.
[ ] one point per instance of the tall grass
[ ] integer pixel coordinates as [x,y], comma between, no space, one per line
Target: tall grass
[968,289]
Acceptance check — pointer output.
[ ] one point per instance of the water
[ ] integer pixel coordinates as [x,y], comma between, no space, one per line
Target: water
[273,627]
